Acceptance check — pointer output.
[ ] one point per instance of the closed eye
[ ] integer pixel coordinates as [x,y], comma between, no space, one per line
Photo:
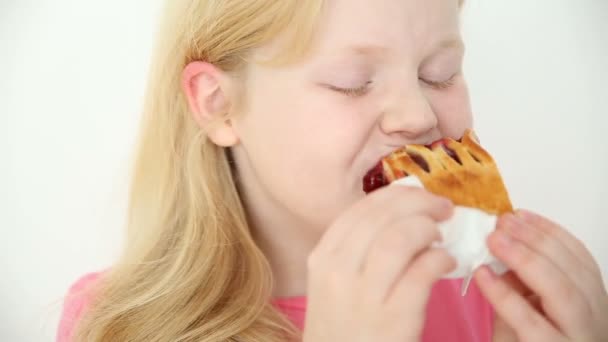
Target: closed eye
[352,92]
[440,85]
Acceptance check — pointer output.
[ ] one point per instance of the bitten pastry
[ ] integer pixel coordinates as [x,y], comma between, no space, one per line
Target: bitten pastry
[460,170]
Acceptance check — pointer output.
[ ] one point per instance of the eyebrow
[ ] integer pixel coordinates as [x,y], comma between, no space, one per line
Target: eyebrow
[455,43]
[372,50]
[375,50]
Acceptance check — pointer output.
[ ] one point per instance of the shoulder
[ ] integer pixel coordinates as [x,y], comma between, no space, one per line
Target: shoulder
[74,303]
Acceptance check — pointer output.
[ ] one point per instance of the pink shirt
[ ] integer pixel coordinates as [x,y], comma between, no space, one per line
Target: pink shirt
[450,317]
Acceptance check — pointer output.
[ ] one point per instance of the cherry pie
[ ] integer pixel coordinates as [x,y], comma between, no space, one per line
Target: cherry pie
[460,170]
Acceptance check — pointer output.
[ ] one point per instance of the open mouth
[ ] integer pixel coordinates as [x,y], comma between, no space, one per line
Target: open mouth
[376,177]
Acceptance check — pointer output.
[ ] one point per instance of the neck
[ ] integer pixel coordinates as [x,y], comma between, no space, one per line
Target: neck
[287,251]
[285,239]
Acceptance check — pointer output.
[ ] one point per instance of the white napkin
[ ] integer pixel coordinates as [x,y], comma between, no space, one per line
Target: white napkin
[464,238]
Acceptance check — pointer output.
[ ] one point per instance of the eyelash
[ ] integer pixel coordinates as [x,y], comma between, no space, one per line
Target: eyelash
[353,92]
[362,90]
[440,85]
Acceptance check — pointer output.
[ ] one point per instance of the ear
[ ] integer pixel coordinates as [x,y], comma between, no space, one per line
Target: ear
[207,90]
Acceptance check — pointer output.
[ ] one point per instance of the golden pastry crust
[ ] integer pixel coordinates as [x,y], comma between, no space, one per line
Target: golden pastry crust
[470,179]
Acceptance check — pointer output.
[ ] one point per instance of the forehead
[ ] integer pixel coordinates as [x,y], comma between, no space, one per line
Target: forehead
[403,26]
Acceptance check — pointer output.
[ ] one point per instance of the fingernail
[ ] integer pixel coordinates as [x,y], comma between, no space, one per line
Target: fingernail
[446,203]
[526,215]
[503,238]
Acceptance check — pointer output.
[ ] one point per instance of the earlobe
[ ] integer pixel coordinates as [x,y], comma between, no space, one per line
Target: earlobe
[206,91]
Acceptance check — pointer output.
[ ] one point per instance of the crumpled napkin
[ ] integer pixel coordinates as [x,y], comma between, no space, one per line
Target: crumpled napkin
[464,238]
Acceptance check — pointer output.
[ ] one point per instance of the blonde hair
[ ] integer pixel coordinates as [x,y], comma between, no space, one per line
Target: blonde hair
[190,270]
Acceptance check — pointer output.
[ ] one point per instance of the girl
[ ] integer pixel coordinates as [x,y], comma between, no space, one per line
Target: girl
[247,217]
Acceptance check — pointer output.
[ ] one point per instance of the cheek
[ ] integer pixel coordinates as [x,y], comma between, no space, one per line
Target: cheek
[301,145]
[319,128]
[453,110]
[300,120]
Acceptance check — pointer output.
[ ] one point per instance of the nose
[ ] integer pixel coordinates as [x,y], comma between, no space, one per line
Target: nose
[409,115]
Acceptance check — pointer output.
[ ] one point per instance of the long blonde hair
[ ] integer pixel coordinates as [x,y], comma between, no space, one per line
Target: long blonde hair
[190,270]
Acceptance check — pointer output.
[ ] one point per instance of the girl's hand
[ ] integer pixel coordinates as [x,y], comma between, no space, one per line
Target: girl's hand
[370,277]
[555,291]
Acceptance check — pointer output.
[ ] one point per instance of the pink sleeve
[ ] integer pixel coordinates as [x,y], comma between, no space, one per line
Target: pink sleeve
[73,306]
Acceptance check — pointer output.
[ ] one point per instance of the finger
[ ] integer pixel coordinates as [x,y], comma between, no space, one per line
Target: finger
[379,206]
[552,248]
[393,250]
[386,211]
[561,299]
[407,200]
[528,324]
[513,280]
[576,246]
[414,287]
[516,284]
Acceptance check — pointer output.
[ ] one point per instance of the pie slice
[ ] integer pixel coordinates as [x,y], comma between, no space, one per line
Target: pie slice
[460,170]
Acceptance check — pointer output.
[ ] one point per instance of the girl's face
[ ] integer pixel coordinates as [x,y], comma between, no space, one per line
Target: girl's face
[382,73]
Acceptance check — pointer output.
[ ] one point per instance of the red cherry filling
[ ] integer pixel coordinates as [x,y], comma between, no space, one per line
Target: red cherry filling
[374,179]
[443,144]
[420,161]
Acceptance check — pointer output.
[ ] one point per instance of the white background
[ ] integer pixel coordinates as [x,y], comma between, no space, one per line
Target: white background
[72,75]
